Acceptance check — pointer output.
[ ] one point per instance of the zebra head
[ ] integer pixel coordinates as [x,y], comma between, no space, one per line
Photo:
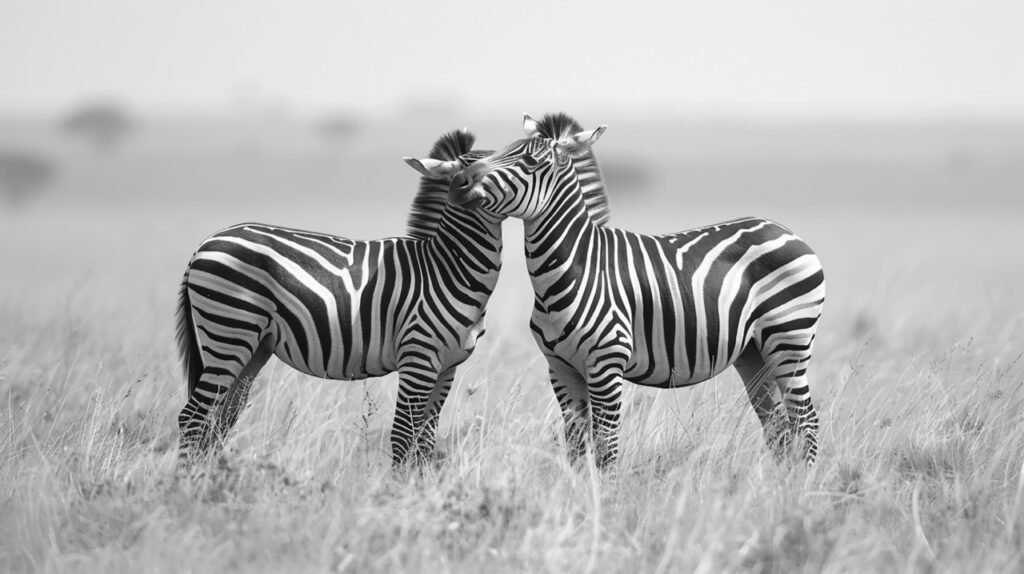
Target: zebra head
[451,153]
[521,179]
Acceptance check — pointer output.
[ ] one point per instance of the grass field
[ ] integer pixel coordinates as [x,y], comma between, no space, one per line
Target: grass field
[918,372]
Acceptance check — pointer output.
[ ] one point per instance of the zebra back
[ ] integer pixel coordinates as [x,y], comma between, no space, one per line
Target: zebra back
[432,197]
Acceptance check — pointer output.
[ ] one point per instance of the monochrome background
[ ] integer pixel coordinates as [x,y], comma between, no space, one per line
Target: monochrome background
[888,134]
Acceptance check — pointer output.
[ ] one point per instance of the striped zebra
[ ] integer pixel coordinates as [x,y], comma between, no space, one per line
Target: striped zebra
[663,311]
[341,309]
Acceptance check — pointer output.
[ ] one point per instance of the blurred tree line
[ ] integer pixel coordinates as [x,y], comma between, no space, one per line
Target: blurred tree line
[24,173]
[102,125]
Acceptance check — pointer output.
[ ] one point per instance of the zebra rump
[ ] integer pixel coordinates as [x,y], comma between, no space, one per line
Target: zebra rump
[188,347]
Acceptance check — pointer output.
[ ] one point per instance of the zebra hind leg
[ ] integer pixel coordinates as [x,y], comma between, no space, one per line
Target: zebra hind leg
[196,419]
[759,382]
[787,362]
[238,395]
[801,413]
[216,401]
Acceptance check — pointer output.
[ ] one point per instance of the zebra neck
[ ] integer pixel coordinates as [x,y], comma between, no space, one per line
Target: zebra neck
[557,242]
[470,243]
[595,198]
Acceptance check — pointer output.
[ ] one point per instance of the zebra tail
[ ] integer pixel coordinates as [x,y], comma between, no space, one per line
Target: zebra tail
[188,347]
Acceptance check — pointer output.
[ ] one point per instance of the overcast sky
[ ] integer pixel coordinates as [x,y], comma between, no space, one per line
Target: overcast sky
[864,57]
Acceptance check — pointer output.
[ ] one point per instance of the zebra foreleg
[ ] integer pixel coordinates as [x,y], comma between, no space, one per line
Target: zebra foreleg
[605,405]
[414,388]
[427,437]
[574,402]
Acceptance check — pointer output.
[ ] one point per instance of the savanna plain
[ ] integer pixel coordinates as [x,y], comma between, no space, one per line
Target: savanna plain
[917,373]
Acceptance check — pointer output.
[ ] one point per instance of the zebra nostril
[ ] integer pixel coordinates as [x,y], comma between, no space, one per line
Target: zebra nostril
[457,182]
[460,183]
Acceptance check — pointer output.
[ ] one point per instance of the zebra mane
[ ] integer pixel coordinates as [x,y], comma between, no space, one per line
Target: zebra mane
[432,198]
[560,126]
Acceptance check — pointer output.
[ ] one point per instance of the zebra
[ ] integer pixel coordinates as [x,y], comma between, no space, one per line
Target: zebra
[663,311]
[341,309]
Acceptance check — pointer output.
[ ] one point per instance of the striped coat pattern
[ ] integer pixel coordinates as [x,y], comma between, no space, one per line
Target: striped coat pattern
[340,308]
[658,310]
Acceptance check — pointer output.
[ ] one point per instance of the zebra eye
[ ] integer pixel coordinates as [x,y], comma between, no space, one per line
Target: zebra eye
[529,163]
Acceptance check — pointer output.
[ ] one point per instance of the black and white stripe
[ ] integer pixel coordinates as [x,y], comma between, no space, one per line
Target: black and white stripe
[663,311]
[339,308]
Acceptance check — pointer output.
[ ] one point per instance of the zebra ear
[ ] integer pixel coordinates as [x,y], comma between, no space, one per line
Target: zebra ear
[589,138]
[530,126]
[434,168]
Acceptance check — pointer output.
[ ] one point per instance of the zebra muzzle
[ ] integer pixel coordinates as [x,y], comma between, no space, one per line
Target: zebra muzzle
[463,190]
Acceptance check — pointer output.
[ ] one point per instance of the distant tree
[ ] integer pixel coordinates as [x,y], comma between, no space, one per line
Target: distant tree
[23,173]
[340,128]
[102,124]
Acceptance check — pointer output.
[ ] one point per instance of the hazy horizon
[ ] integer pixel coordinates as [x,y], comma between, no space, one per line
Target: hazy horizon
[787,60]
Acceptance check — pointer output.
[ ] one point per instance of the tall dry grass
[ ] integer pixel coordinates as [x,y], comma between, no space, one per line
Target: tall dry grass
[917,376]
[920,470]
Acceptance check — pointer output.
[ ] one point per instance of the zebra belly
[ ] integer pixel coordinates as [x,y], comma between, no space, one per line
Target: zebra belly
[671,380]
[360,364]
[666,372]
